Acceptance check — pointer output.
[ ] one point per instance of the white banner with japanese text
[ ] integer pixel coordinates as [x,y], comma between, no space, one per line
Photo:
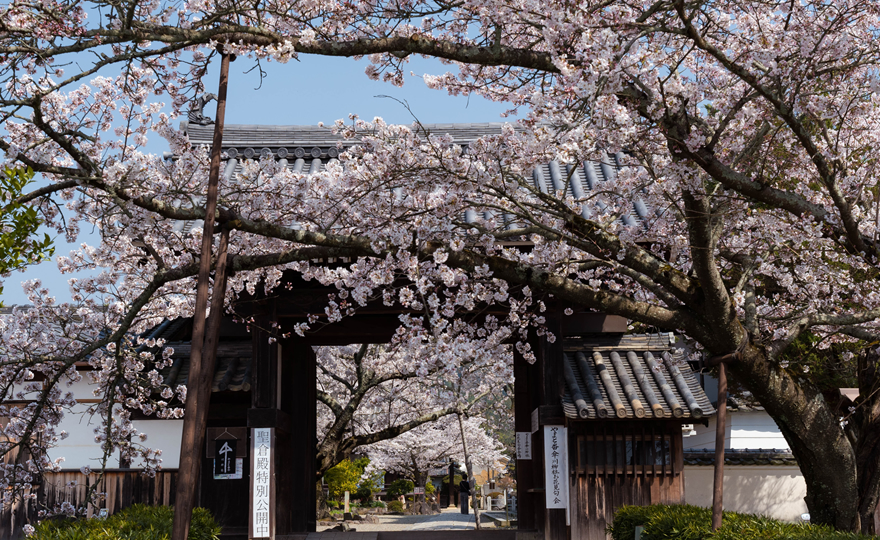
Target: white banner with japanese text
[262,473]
[556,466]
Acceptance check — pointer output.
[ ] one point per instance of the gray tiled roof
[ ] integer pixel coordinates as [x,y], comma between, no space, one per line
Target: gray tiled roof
[741,457]
[630,376]
[310,148]
[231,373]
[242,136]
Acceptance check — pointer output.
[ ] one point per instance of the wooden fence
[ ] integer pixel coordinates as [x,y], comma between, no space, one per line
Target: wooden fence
[119,488]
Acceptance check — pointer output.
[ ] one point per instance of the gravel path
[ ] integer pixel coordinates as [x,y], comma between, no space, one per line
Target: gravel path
[449,519]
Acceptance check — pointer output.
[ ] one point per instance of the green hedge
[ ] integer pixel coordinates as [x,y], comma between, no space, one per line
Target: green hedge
[138,522]
[399,487]
[685,522]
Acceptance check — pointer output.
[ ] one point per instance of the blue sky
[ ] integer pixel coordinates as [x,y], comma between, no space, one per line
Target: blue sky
[312,90]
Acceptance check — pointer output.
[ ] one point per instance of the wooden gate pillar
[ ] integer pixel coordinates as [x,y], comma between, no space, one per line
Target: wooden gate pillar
[551,360]
[298,396]
[522,420]
[270,408]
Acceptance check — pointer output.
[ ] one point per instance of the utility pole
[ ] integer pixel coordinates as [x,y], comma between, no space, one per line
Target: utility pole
[204,344]
[470,473]
[720,428]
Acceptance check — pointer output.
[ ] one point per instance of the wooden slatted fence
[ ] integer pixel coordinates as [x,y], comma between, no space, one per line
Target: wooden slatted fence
[120,487]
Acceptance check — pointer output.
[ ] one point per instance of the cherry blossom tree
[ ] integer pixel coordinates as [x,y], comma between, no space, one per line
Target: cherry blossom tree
[369,393]
[430,446]
[746,130]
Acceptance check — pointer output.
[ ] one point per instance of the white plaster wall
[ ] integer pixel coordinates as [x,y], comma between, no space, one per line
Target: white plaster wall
[163,435]
[81,389]
[704,438]
[79,448]
[755,429]
[773,491]
[744,430]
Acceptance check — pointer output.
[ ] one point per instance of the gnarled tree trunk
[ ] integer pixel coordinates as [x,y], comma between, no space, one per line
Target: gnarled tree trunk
[862,423]
[812,428]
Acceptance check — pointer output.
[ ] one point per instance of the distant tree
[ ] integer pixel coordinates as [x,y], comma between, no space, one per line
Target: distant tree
[19,221]
[431,446]
[345,476]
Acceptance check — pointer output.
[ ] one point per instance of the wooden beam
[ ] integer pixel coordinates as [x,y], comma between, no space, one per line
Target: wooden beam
[554,380]
[360,329]
[548,415]
[593,323]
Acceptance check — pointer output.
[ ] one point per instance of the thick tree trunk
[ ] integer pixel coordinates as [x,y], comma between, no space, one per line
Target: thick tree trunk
[420,504]
[864,423]
[332,451]
[812,429]
[421,480]
[867,453]
[322,509]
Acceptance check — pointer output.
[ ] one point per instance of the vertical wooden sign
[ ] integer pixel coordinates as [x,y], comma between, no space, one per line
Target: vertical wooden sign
[523,445]
[262,515]
[556,466]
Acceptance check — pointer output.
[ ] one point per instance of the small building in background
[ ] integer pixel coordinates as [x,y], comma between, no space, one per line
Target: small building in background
[761,475]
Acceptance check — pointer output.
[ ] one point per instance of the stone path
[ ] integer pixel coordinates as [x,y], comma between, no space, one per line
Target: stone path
[445,521]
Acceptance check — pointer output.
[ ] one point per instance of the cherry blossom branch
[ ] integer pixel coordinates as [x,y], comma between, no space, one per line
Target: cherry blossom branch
[715,301]
[500,55]
[393,431]
[328,400]
[787,114]
[845,320]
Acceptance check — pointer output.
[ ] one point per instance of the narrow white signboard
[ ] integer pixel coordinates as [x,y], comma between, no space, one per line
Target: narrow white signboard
[261,484]
[523,445]
[556,466]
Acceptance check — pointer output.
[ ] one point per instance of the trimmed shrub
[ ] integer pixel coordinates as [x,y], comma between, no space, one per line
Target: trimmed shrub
[685,522]
[400,487]
[364,493]
[137,522]
[395,506]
